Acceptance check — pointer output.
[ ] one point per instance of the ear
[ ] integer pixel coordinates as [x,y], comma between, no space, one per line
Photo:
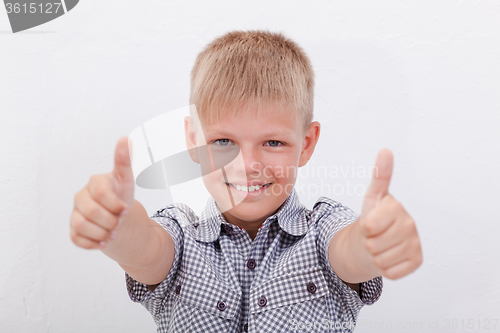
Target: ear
[310,140]
[191,145]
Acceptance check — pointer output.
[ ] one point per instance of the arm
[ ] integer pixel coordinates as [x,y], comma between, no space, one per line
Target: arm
[383,240]
[347,258]
[142,247]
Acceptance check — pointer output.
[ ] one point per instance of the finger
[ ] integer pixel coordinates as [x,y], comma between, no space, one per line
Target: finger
[87,229]
[379,186]
[391,256]
[394,234]
[381,217]
[94,211]
[123,168]
[85,243]
[399,270]
[101,190]
[382,174]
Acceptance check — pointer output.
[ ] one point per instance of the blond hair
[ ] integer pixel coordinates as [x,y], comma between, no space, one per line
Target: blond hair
[255,67]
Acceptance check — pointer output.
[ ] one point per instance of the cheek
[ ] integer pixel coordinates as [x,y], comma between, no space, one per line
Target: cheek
[284,171]
[214,183]
[212,178]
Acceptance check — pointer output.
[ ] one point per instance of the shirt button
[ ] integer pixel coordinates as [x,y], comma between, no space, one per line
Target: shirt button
[221,305]
[228,229]
[178,289]
[311,287]
[251,263]
[245,328]
[262,301]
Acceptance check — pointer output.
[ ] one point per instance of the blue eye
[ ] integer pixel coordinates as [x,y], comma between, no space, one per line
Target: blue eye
[222,142]
[275,143]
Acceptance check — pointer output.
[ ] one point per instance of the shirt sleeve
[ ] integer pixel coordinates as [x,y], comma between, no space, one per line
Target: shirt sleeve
[139,292]
[333,216]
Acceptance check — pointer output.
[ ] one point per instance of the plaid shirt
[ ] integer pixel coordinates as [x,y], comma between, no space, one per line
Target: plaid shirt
[282,281]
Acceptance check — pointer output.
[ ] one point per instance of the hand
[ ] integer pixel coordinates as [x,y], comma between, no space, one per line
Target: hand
[100,204]
[388,233]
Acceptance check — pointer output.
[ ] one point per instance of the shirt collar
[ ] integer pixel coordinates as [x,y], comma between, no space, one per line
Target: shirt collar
[291,218]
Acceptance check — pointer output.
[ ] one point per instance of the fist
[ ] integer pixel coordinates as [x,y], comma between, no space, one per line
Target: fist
[99,206]
[388,233]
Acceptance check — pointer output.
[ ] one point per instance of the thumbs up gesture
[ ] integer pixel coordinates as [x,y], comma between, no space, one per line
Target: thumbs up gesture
[387,232]
[102,202]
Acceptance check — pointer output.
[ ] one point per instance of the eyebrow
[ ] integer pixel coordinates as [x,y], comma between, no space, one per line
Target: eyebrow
[270,134]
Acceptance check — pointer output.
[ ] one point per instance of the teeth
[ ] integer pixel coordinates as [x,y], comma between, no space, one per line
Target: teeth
[253,188]
[248,188]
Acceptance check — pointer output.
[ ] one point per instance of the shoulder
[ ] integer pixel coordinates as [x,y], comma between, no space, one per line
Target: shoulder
[178,219]
[325,203]
[326,208]
[179,212]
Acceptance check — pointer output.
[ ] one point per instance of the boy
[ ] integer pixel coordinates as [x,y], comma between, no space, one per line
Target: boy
[265,264]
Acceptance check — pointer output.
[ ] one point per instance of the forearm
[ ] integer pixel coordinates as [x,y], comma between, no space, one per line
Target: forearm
[141,246]
[349,259]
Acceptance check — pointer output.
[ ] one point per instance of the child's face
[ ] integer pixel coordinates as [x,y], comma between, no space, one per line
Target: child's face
[271,148]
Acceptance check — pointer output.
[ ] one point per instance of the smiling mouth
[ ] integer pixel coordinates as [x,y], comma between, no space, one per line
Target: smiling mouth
[248,188]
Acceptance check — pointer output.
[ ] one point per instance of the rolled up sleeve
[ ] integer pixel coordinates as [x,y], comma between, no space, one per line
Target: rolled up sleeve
[139,292]
[332,217]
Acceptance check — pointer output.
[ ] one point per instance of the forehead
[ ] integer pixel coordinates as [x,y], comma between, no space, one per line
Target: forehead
[267,120]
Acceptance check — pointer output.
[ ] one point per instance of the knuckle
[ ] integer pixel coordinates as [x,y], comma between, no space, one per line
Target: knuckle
[86,245]
[390,275]
[113,221]
[369,226]
[370,245]
[93,211]
[416,245]
[76,198]
[72,218]
[80,242]
[396,205]
[404,246]
[80,197]
[388,200]
[408,229]
[378,261]
[409,224]
[99,192]
[73,236]
[108,221]
[78,222]
[103,235]
[418,261]
[419,258]
[413,225]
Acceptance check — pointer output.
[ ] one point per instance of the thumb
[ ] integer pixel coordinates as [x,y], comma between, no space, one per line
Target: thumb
[123,167]
[379,187]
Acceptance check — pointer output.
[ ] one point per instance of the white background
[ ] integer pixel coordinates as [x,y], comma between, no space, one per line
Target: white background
[421,78]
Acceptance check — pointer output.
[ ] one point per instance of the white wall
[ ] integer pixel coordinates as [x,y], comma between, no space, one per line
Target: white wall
[421,78]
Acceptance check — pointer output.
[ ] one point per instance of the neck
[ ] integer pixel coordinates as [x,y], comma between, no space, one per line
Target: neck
[251,227]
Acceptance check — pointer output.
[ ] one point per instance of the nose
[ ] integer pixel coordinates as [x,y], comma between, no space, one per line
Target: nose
[250,162]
